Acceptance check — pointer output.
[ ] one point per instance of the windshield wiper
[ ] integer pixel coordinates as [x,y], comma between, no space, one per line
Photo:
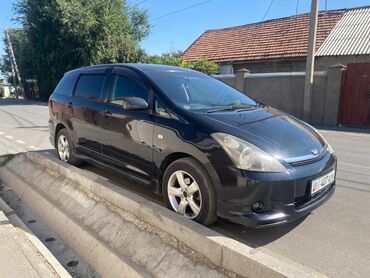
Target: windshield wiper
[261,105]
[232,107]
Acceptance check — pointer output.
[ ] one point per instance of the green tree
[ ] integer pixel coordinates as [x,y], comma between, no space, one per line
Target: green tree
[1,89]
[174,59]
[22,56]
[169,59]
[66,34]
[206,66]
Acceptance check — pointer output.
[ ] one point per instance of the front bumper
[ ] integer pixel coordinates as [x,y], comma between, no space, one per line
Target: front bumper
[286,214]
[285,197]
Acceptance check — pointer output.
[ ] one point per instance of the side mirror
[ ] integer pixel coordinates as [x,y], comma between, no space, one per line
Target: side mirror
[134,103]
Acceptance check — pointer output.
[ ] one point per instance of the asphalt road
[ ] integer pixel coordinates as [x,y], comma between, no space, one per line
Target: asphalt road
[334,239]
[23,126]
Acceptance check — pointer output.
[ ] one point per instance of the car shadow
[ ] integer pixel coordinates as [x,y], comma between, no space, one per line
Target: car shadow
[255,237]
[51,151]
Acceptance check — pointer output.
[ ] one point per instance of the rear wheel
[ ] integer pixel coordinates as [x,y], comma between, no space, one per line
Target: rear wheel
[188,191]
[65,148]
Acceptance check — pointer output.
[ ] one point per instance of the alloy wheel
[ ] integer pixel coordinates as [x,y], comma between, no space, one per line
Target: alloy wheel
[63,148]
[184,194]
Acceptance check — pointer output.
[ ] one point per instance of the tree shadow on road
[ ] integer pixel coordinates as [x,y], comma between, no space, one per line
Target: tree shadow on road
[11,101]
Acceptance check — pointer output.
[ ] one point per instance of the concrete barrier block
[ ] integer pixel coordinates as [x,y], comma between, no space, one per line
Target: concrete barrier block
[104,260]
[189,232]
[97,228]
[250,262]
[109,218]
[194,235]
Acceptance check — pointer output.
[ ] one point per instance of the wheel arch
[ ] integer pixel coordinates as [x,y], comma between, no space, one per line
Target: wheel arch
[208,214]
[58,128]
[179,155]
[165,163]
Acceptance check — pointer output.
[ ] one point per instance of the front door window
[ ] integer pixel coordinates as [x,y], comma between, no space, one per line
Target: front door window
[126,87]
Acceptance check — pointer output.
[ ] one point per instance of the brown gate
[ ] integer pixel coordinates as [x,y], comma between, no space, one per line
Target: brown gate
[354,106]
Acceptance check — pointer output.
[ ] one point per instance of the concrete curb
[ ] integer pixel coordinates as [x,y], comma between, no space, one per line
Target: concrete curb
[108,262]
[220,251]
[113,241]
[36,243]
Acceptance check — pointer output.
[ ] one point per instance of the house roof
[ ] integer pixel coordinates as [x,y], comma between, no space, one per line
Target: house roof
[351,36]
[278,38]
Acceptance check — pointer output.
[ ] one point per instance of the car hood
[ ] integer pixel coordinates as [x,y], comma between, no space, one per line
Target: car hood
[281,135]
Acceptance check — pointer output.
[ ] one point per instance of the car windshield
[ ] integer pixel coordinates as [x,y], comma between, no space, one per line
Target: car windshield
[199,92]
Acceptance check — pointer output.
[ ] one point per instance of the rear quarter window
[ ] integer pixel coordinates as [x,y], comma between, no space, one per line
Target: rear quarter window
[65,85]
[90,86]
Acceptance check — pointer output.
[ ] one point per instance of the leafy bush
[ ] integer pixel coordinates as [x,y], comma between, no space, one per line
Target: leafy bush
[174,59]
[206,66]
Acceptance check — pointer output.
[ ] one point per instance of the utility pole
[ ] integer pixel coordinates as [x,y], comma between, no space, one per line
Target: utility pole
[310,62]
[15,71]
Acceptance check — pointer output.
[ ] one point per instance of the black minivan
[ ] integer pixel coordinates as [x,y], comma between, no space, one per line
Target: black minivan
[209,149]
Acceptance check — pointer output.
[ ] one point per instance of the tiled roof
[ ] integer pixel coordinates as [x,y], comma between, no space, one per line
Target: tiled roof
[278,38]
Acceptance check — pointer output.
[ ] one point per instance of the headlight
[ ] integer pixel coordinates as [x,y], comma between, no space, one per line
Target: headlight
[247,156]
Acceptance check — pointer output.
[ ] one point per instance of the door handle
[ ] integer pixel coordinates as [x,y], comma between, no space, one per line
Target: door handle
[70,104]
[107,114]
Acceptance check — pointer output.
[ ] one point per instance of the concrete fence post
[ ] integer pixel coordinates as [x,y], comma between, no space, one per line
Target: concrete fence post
[333,90]
[240,79]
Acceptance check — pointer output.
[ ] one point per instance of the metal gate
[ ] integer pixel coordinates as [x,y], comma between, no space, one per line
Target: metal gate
[354,105]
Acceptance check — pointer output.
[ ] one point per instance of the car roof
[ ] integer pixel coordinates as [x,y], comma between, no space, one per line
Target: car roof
[141,67]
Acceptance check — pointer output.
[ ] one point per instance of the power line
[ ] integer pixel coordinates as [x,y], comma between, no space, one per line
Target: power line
[296,8]
[268,9]
[294,32]
[137,4]
[177,11]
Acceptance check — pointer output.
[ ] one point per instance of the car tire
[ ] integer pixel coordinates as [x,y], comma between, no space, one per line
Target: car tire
[197,200]
[65,149]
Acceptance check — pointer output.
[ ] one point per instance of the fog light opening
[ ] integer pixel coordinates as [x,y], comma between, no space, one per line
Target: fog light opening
[257,206]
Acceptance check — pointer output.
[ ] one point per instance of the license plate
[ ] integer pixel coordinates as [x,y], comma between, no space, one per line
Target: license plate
[322,182]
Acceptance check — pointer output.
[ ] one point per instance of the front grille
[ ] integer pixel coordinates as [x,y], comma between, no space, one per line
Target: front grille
[300,201]
[308,161]
[303,200]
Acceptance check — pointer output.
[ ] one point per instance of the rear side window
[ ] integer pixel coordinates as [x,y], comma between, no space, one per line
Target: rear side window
[90,86]
[126,87]
[65,85]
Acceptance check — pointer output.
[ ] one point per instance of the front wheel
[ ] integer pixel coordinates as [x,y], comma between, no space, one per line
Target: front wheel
[65,148]
[188,191]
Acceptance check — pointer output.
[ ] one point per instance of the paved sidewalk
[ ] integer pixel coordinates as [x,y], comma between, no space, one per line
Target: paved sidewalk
[19,257]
